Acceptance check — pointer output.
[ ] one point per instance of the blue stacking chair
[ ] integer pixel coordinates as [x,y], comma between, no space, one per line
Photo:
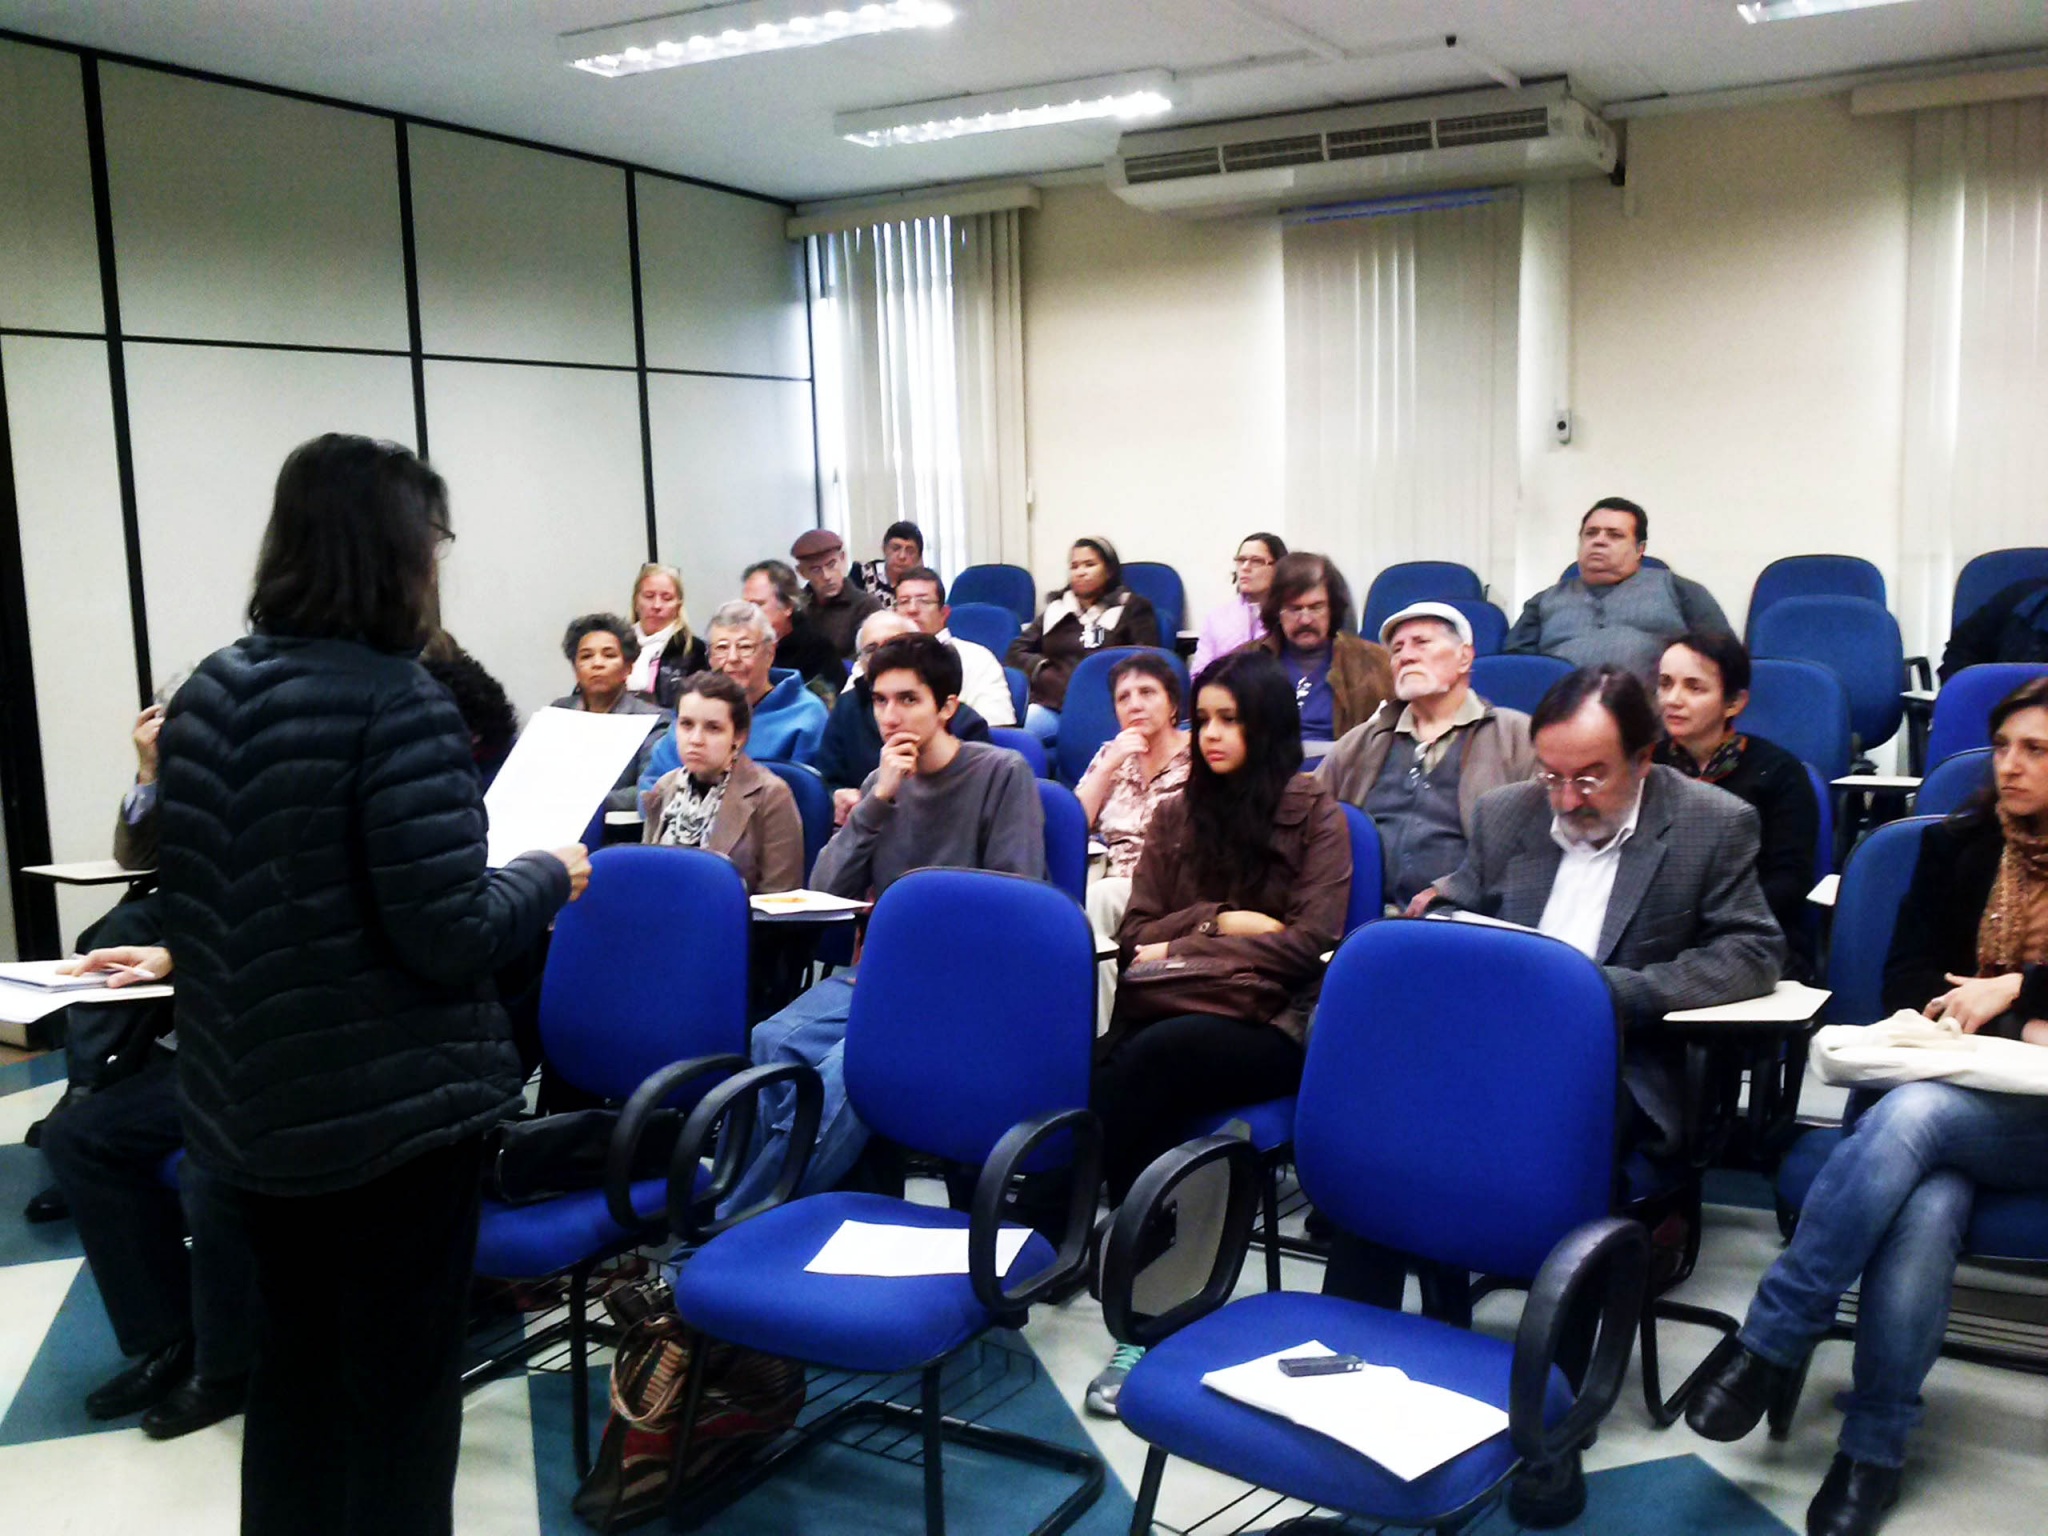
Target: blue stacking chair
[1802,707]
[991,625]
[1952,781]
[618,1029]
[1416,581]
[1991,573]
[1020,692]
[1024,742]
[1006,586]
[1525,1045]
[965,1045]
[1858,641]
[1489,624]
[813,805]
[1066,837]
[1160,585]
[1088,717]
[1962,710]
[1815,576]
[1517,681]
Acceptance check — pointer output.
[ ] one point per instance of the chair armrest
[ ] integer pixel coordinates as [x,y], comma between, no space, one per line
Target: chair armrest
[724,1118]
[986,1213]
[1925,670]
[632,1126]
[1614,1253]
[1140,1211]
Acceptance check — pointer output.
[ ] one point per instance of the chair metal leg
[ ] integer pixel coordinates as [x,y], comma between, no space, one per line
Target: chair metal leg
[1664,1411]
[579,1368]
[678,1500]
[1269,1201]
[934,1460]
[1148,1491]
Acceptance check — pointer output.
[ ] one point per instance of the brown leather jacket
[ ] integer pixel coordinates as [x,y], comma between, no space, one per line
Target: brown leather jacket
[1361,677]
[757,827]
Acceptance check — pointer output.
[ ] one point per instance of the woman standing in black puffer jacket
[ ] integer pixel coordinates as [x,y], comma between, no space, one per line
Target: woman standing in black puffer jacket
[341,1046]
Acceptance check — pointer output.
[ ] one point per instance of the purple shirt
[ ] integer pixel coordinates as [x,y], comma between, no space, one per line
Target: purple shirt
[1228,626]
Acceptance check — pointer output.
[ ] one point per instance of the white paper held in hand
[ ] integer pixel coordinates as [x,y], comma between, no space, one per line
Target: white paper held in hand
[896,1253]
[561,768]
[1407,1426]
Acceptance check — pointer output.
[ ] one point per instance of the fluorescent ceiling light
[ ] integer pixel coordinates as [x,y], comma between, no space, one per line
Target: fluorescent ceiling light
[1144,93]
[726,31]
[1792,10]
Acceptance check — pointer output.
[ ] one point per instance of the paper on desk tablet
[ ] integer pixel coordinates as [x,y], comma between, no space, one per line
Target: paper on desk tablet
[875,1248]
[1409,1427]
[43,976]
[26,1004]
[561,768]
[1478,920]
[784,903]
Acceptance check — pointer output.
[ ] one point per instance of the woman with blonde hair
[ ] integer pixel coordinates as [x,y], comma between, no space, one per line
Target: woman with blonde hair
[668,651]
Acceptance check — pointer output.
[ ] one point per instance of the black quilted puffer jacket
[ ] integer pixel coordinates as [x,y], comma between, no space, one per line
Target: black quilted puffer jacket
[333,925]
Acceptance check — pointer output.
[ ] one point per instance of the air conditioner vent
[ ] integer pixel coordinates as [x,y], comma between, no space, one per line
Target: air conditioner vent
[1262,154]
[1390,139]
[1493,127]
[1174,165]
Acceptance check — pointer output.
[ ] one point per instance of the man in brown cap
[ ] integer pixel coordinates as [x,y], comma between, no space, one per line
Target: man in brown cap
[835,606]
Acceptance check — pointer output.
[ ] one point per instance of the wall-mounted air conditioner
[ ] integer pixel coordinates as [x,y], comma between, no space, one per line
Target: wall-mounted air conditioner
[1430,144]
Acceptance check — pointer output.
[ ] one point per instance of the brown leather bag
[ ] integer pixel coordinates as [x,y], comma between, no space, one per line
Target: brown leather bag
[1152,990]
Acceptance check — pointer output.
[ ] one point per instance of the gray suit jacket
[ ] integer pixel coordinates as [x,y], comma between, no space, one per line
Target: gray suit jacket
[1687,925]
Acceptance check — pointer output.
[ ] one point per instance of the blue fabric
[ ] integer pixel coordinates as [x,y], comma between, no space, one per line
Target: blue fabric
[1962,710]
[1873,888]
[1088,717]
[1164,1402]
[1991,573]
[1042,723]
[1416,581]
[1516,682]
[1006,586]
[1021,741]
[1066,839]
[1522,1039]
[748,1286]
[1160,585]
[813,806]
[1489,624]
[1269,1126]
[1952,781]
[1856,639]
[1368,873]
[1312,693]
[2003,1224]
[1020,693]
[1802,707]
[787,726]
[526,1242]
[1824,837]
[811,1031]
[988,625]
[1815,576]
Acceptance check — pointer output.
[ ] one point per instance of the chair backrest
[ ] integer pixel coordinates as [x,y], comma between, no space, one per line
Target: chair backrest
[1802,707]
[1874,885]
[1160,585]
[813,805]
[1478,1127]
[1517,682]
[648,967]
[1368,871]
[1088,717]
[1489,624]
[1824,848]
[1952,781]
[1416,581]
[1992,572]
[987,624]
[1024,742]
[1962,710]
[1007,586]
[1858,641]
[1020,692]
[975,1010]
[1066,838]
[1815,576]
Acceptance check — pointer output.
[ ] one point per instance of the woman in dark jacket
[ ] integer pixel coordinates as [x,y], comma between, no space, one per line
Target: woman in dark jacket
[341,1048]
[1702,687]
[1249,865]
[1093,611]
[1893,1200]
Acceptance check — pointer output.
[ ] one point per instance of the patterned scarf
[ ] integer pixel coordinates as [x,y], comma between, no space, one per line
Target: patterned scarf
[686,819]
[2014,929]
[1721,762]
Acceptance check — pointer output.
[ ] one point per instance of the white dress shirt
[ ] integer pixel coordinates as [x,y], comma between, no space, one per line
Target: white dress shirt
[982,683]
[1577,908]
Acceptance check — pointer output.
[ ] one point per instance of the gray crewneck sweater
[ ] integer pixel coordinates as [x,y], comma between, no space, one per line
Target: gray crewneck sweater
[980,811]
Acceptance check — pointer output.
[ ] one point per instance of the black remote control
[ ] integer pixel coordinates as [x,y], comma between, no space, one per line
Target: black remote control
[1319,1365]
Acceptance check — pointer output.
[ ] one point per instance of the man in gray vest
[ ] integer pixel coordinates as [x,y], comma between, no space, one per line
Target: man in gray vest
[1420,764]
[1611,610]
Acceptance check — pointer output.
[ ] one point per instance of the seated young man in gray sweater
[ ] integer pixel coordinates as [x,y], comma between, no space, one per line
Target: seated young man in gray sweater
[935,802]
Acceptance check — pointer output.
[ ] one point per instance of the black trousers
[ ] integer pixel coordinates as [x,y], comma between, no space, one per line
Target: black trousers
[355,1407]
[103,1041]
[106,1149]
[1156,1080]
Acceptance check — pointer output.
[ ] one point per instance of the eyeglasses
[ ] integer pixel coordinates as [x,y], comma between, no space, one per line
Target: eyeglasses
[1253,560]
[916,604]
[738,650]
[1586,784]
[1305,611]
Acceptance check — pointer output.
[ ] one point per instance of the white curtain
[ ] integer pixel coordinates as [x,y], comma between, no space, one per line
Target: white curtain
[918,337]
[1976,432]
[1401,384]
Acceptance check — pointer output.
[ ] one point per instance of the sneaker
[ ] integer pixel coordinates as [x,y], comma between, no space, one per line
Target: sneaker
[1104,1390]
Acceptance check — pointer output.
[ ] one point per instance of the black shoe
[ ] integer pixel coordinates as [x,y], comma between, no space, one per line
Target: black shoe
[194,1404]
[46,1205]
[1728,1403]
[144,1384]
[1853,1498]
[1547,1496]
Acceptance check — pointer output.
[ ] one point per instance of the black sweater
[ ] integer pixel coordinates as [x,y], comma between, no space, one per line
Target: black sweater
[1937,931]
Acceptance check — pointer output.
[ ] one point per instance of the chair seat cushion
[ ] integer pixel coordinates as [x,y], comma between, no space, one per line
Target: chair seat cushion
[1271,1124]
[525,1242]
[1164,1402]
[748,1286]
[2004,1224]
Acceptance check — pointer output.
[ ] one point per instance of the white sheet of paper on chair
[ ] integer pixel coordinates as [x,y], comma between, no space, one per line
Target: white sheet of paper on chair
[897,1253]
[1407,1426]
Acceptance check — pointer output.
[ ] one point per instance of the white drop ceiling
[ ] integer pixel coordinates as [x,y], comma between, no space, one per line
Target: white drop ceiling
[764,122]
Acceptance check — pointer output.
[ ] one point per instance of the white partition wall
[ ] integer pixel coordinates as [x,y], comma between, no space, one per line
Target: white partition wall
[721,285]
[49,255]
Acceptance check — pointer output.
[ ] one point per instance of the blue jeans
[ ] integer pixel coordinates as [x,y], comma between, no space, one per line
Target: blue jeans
[1043,723]
[811,1030]
[1892,1204]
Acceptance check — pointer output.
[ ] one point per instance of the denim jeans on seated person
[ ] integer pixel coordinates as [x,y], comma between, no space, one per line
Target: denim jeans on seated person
[1892,1204]
[1043,723]
[812,1031]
